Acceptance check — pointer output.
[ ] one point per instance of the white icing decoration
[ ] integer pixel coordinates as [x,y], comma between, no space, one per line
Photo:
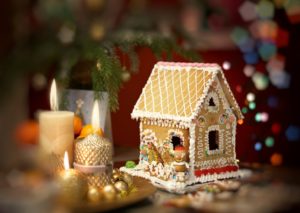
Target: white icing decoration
[192,150]
[175,186]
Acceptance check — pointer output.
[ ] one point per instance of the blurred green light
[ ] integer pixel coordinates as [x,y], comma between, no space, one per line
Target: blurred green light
[261,81]
[258,117]
[269,142]
[265,9]
[252,105]
[244,110]
[267,50]
[239,35]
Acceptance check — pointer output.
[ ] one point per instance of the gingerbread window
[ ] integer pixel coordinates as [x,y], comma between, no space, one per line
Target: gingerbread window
[176,138]
[212,102]
[213,139]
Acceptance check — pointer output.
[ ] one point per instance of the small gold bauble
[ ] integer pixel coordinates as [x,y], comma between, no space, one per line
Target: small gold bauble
[121,186]
[109,192]
[94,194]
[128,179]
[97,31]
[94,5]
[116,171]
[126,76]
[116,177]
[73,186]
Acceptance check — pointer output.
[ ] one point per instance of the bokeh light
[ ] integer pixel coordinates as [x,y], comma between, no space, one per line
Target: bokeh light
[258,117]
[276,159]
[266,30]
[258,146]
[275,64]
[266,50]
[280,79]
[269,142]
[240,121]
[260,81]
[248,45]
[244,110]
[261,117]
[239,88]
[248,11]
[276,128]
[226,65]
[239,35]
[252,105]
[250,97]
[264,116]
[265,9]
[292,133]
[249,70]
[292,8]
[251,58]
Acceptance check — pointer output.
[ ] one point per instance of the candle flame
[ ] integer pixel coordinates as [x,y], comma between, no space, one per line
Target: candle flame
[53,96]
[96,116]
[66,161]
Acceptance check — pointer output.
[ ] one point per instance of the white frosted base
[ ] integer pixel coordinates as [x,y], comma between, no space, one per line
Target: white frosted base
[179,187]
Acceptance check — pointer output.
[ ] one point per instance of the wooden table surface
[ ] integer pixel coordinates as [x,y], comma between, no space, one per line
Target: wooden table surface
[267,189]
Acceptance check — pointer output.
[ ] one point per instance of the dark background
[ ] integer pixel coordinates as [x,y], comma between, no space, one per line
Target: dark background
[125,130]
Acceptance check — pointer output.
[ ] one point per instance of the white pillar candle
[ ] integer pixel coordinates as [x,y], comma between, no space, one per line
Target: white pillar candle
[56,131]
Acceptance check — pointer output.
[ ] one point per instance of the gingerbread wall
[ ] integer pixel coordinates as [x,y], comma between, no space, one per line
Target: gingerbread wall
[222,119]
[162,133]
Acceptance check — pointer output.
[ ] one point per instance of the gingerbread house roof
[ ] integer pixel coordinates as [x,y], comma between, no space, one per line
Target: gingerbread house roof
[176,91]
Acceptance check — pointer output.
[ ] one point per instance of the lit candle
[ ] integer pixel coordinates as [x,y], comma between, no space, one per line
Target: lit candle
[56,131]
[96,116]
[93,153]
[72,184]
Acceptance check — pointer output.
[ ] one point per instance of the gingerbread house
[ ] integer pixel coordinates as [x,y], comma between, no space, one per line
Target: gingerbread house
[188,117]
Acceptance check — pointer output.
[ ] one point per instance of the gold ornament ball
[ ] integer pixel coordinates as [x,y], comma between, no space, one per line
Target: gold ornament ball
[128,179]
[94,194]
[126,76]
[97,31]
[116,171]
[98,65]
[116,177]
[95,4]
[73,185]
[121,186]
[109,192]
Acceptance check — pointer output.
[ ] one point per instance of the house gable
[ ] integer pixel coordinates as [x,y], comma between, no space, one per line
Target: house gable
[218,123]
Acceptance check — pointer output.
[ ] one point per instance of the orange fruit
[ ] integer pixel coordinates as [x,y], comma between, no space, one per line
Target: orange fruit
[77,125]
[27,132]
[89,129]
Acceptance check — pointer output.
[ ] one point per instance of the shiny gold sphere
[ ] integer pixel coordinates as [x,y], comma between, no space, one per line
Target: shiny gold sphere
[94,194]
[109,192]
[116,177]
[121,186]
[97,31]
[94,5]
[128,179]
[116,171]
[73,186]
